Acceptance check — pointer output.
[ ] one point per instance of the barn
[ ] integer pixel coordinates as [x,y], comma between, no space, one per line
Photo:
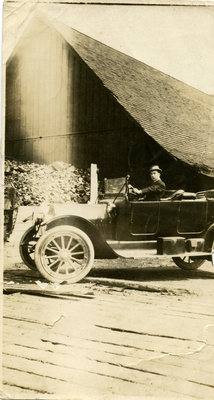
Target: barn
[74,99]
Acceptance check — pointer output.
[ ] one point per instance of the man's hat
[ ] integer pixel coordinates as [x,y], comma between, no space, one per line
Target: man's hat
[155,168]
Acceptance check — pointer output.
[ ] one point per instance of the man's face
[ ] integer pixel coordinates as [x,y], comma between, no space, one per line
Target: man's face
[155,176]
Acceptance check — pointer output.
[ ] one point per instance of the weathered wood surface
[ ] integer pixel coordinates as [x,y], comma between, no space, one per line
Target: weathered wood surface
[137,344]
[130,329]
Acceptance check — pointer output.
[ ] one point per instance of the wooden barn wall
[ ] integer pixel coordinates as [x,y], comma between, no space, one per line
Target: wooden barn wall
[57,109]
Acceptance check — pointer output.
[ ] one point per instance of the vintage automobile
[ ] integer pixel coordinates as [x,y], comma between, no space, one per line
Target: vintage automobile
[63,242]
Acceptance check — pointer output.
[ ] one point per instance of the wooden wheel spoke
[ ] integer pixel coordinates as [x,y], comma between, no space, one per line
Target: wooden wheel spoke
[59,266]
[29,246]
[68,266]
[53,256]
[74,247]
[52,264]
[53,250]
[71,265]
[31,249]
[187,260]
[56,244]
[32,243]
[63,242]
[69,243]
[77,252]
[76,260]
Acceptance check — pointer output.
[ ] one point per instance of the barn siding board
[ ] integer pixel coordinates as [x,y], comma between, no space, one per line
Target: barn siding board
[28,149]
[72,84]
[12,89]
[61,110]
[18,87]
[81,99]
[68,149]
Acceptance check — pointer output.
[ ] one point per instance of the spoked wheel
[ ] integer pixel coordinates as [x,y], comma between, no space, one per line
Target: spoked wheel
[64,254]
[188,263]
[27,247]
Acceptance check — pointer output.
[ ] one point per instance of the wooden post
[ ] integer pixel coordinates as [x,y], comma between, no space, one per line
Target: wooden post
[94,184]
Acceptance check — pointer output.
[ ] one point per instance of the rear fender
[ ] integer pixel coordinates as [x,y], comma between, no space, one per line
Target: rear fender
[209,238]
[101,248]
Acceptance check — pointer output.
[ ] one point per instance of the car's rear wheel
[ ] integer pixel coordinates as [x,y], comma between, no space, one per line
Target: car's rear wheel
[27,247]
[188,263]
[64,254]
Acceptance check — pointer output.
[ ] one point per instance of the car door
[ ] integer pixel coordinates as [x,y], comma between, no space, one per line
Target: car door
[144,217]
[192,216]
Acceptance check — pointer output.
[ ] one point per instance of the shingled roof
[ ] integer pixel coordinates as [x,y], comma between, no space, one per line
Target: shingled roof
[177,116]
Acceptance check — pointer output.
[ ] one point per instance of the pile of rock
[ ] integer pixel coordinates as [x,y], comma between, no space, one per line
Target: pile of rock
[55,183]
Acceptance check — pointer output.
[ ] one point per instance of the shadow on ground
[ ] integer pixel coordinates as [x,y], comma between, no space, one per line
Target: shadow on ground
[148,270]
[151,274]
[134,270]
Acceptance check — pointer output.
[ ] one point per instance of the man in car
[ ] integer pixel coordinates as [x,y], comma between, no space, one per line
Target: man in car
[157,188]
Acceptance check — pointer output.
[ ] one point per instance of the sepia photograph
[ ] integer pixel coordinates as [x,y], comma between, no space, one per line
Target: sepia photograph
[108,200]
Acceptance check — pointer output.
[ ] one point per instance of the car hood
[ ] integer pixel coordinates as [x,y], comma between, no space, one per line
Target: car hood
[87,211]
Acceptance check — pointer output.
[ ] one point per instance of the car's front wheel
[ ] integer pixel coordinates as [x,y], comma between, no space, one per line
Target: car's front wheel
[188,263]
[64,254]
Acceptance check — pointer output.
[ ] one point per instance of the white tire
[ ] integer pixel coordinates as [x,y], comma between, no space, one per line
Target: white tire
[64,254]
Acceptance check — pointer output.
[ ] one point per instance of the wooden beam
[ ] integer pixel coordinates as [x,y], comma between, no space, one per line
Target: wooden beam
[94,184]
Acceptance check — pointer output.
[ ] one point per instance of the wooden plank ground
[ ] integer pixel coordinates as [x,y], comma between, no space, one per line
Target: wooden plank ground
[138,328]
[137,344]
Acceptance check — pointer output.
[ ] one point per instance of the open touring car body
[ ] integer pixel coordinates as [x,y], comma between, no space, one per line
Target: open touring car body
[63,242]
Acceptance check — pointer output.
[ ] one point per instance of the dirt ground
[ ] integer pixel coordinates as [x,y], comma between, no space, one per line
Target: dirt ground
[139,329]
[149,274]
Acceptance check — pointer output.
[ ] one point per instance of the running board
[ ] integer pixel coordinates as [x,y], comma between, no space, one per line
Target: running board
[136,253]
[146,253]
[141,249]
[134,249]
[132,245]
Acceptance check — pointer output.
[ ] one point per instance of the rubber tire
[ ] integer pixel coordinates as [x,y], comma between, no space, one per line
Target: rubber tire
[187,266]
[28,235]
[50,275]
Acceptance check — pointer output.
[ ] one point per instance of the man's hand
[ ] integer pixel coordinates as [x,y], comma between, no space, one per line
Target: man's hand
[137,191]
[131,187]
[134,190]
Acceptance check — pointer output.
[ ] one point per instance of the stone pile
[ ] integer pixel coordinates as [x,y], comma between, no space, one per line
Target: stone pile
[55,183]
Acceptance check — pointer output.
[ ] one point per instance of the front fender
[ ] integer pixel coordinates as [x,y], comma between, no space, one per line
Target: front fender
[101,248]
